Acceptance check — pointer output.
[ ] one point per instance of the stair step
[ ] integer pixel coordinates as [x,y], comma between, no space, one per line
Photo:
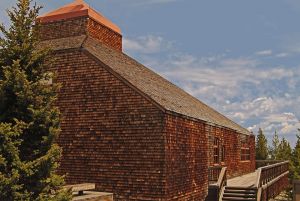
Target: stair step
[238,199]
[234,193]
[240,191]
[244,195]
[239,188]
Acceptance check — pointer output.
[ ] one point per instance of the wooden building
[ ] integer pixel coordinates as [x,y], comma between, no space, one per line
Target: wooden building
[126,128]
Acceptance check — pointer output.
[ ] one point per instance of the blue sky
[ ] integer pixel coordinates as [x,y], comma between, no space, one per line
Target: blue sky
[240,57]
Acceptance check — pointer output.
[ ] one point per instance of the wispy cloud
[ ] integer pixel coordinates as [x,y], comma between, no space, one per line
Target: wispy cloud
[264,53]
[282,55]
[149,44]
[242,88]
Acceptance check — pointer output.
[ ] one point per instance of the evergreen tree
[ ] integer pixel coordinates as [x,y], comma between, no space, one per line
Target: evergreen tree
[285,154]
[29,121]
[284,150]
[296,159]
[275,146]
[261,146]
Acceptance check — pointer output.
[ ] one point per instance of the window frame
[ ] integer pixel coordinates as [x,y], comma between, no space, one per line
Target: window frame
[245,154]
[216,148]
[223,154]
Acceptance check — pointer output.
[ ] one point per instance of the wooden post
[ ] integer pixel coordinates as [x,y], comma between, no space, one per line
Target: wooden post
[296,190]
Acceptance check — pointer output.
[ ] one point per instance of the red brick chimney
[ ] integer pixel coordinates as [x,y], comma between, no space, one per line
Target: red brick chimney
[77,19]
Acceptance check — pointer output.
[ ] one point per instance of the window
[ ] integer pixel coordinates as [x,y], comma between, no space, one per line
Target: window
[223,154]
[245,154]
[216,150]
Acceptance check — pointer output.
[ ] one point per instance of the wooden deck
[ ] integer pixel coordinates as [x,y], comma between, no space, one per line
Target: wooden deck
[246,181]
[263,184]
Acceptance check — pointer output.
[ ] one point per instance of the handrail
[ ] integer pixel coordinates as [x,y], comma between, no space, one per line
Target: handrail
[259,194]
[276,164]
[221,174]
[222,177]
[258,178]
[263,163]
[274,180]
[222,182]
[270,172]
[268,175]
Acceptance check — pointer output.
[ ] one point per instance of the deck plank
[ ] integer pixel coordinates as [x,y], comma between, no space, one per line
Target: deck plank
[247,180]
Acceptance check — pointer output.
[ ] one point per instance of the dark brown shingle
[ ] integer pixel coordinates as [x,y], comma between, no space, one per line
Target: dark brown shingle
[164,93]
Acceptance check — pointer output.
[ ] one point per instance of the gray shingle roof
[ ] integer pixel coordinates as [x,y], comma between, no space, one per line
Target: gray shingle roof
[164,93]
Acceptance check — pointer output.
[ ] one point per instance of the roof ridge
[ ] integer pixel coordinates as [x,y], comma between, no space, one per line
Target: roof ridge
[160,90]
[196,99]
[170,83]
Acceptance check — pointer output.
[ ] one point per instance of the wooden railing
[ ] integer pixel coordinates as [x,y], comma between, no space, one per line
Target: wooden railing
[259,194]
[214,173]
[270,172]
[222,181]
[217,178]
[268,176]
[263,163]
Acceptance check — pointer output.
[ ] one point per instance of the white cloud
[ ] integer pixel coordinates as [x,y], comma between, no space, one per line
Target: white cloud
[146,44]
[284,123]
[282,55]
[268,114]
[237,88]
[241,88]
[225,73]
[264,53]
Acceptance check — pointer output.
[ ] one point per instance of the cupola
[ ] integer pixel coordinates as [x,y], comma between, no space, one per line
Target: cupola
[76,19]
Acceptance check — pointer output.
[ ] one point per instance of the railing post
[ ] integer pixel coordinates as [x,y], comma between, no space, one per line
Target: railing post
[218,175]
[268,193]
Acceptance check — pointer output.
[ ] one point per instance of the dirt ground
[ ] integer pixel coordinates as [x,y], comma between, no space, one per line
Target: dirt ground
[282,197]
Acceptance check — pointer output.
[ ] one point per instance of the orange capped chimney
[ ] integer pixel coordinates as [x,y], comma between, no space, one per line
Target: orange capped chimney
[76,19]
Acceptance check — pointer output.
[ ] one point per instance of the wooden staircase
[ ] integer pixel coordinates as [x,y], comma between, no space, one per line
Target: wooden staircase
[238,194]
[257,186]
[261,185]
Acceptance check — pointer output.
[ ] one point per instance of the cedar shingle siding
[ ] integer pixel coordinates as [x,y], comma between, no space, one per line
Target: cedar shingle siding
[129,130]
[111,135]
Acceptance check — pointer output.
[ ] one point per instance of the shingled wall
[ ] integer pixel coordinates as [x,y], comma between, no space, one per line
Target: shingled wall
[81,26]
[104,35]
[186,158]
[116,138]
[64,28]
[233,143]
[111,135]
